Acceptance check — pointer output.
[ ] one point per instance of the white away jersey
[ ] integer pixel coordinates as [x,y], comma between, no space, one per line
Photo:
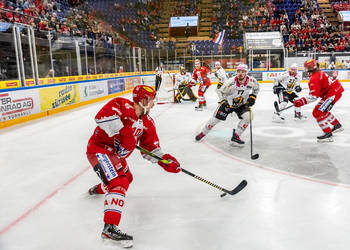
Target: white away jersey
[182,79]
[221,75]
[237,93]
[287,81]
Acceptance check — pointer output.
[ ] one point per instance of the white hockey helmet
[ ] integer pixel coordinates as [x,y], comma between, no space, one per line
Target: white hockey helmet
[217,63]
[197,62]
[243,67]
[294,66]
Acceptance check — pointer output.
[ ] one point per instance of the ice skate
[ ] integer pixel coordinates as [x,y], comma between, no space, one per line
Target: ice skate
[337,128]
[112,233]
[299,117]
[199,107]
[278,118]
[93,190]
[200,136]
[236,140]
[327,137]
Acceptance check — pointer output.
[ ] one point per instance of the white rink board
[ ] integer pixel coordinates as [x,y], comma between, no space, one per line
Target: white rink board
[15,104]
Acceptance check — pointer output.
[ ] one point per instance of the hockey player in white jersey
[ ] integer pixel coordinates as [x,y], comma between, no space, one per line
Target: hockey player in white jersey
[237,95]
[220,74]
[181,80]
[285,87]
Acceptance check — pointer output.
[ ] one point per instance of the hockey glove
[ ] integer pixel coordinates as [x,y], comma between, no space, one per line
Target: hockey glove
[224,106]
[191,84]
[300,102]
[251,100]
[298,89]
[173,166]
[127,138]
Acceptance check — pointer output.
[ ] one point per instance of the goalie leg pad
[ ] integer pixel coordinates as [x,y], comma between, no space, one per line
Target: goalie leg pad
[189,92]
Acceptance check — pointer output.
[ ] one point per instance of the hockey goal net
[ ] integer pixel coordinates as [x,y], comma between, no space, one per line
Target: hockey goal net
[166,92]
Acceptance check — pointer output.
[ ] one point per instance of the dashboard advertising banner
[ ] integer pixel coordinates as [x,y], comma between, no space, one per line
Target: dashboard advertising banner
[17,104]
[131,82]
[149,80]
[60,96]
[115,85]
[92,90]
[271,75]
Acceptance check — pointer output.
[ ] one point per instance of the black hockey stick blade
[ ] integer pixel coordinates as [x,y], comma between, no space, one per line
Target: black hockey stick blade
[237,189]
[278,110]
[254,157]
[276,107]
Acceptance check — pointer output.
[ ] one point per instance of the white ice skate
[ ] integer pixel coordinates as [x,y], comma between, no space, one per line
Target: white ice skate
[278,118]
[299,117]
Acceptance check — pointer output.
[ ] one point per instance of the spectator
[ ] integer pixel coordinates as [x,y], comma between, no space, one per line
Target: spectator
[187,31]
[332,58]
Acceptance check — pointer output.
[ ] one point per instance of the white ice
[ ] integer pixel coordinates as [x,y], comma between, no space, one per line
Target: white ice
[298,193]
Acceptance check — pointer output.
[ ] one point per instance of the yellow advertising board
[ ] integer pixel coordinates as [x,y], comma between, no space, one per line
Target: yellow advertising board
[10,84]
[60,96]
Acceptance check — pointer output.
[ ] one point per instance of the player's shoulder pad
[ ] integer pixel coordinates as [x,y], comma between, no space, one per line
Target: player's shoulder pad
[252,79]
[147,120]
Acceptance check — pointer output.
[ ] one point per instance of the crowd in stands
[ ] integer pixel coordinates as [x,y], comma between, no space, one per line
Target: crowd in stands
[340,5]
[303,26]
[186,8]
[135,19]
[58,18]
[311,31]
[134,22]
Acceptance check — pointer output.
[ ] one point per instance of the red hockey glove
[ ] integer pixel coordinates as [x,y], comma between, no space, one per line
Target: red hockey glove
[127,138]
[173,166]
[300,102]
[191,84]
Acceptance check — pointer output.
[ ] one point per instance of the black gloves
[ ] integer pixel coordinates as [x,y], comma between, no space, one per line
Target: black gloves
[251,100]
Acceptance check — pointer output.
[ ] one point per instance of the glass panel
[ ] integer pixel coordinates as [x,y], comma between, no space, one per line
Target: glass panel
[276,60]
[26,54]
[64,57]
[8,64]
[91,61]
[83,57]
[122,58]
[43,57]
[104,60]
[259,60]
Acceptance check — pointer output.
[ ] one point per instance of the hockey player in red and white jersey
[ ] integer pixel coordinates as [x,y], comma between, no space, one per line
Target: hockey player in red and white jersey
[330,91]
[200,75]
[121,124]
[237,95]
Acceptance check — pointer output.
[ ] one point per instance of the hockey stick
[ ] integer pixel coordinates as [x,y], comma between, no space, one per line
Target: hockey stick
[278,110]
[234,191]
[256,156]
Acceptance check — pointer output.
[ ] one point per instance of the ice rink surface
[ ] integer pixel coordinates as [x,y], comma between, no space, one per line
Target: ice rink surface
[298,193]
